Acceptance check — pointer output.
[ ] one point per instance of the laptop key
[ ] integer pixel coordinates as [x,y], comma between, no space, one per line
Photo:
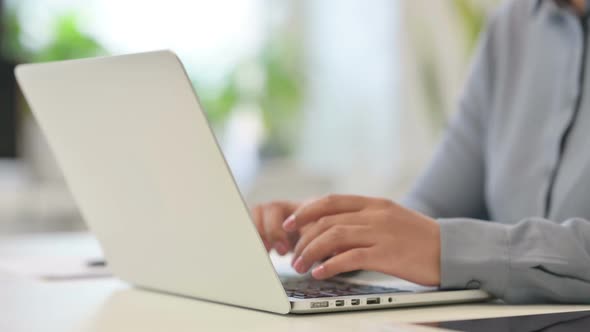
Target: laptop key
[299,288]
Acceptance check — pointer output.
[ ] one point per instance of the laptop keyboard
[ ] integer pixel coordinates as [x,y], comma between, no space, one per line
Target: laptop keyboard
[311,288]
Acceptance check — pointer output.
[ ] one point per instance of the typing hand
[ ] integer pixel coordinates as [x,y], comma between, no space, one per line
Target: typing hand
[363,233]
[269,219]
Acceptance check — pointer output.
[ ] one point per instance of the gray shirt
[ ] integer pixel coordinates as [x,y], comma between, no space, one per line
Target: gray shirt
[510,182]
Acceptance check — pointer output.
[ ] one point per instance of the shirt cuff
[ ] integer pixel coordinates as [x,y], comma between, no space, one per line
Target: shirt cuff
[474,254]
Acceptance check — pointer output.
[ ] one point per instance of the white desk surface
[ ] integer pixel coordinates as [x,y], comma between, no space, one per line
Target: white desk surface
[107,304]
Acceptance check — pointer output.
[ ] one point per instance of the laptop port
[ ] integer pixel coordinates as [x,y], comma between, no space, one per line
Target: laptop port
[373,300]
[339,303]
[355,301]
[322,304]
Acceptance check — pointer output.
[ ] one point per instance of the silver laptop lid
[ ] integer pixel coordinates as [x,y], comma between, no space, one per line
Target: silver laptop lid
[145,169]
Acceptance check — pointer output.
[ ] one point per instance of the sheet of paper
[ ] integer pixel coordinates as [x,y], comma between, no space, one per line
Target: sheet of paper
[54,268]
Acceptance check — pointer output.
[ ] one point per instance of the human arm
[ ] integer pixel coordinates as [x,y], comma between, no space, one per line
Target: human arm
[533,261]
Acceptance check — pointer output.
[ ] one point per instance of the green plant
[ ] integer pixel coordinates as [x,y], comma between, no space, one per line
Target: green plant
[472,19]
[12,47]
[69,41]
[279,98]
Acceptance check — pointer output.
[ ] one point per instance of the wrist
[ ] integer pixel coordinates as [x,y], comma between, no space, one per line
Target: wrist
[436,255]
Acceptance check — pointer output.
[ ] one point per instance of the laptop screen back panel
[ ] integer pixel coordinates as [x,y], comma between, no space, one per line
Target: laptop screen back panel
[145,169]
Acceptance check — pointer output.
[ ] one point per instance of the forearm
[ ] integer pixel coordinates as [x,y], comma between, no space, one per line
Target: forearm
[533,261]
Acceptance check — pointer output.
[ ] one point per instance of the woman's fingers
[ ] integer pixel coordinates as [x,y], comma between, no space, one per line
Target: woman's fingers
[315,229]
[269,219]
[273,215]
[339,238]
[351,260]
[258,219]
[326,206]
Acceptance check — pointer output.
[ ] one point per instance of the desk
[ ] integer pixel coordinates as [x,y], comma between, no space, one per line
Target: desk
[110,305]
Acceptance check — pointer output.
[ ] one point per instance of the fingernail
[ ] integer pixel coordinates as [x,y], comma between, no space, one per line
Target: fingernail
[298,265]
[280,248]
[289,224]
[318,272]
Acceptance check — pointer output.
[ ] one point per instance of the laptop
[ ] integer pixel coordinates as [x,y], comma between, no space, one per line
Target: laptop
[153,186]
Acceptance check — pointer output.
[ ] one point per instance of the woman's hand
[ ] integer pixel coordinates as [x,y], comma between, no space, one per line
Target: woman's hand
[354,233]
[269,219]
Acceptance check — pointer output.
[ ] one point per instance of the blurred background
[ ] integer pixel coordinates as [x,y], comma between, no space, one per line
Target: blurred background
[306,97]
